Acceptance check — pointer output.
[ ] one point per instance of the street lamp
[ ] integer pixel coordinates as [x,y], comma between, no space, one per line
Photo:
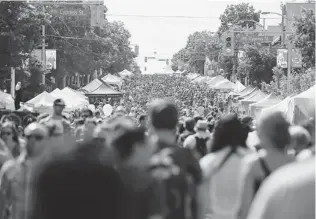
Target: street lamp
[283,23]
[289,47]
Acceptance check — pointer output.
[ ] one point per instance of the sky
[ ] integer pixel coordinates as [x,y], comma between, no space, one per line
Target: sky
[168,35]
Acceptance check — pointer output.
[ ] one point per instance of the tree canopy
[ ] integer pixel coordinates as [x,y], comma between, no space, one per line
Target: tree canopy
[304,37]
[81,49]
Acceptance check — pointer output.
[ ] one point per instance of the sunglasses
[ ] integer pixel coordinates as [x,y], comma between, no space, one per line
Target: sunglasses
[36,137]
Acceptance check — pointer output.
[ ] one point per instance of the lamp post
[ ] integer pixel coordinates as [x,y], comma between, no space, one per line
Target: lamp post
[289,46]
[282,24]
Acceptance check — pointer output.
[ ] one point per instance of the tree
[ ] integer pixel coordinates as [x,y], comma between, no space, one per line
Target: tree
[20,34]
[257,64]
[299,82]
[234,14]
[203,43]
[304,37]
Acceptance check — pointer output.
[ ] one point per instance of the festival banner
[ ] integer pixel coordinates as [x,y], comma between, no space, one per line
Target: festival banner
[296,56]
[282,58]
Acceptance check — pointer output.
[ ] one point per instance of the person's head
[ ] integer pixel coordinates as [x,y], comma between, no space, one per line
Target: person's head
[120,110]
[132,148]
[97,114]
[59,106]
[86,113]
[143,120]
[273,130]
[9,132]
[226,133]
[197,118]
[163,115]
[35,135]
[201,126]
[10,136]
[71,187]
[300,138]
[248,121]
[189,125]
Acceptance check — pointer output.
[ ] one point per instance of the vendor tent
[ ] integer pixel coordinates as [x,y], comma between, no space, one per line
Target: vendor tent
[112,80]
[302,106]
[72,100]
[282,106]
[238,86]
[224,85]
[104,91]
[74,93]
[242,92]
[6,101]
[55,92]
[200,79]
[42,102]
[125,73]
[270,100]
[193,76]
[247,94]
[215,80]
[257,96]
[92,85]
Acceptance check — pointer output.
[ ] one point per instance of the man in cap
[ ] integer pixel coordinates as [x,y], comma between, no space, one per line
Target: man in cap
[15,177]
[200,142]
[56,123]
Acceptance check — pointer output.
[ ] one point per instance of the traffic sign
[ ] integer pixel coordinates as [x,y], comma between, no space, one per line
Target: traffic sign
[70,11]
[198,57]
[254,37]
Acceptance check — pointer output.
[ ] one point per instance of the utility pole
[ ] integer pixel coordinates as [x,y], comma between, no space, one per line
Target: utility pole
[13,82]
[43,54]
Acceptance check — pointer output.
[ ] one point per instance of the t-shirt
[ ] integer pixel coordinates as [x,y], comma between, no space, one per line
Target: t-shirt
[289,193]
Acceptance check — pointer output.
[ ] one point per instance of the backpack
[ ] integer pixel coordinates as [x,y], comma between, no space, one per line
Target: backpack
[201,147]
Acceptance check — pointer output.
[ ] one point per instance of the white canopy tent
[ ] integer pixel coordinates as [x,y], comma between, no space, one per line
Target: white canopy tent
[302,106]
[270,100]
[112,80]
[93,85]
[6,101]
[125,73]
[255,97]
[224,85]
[215,80]
[238,86]
[200,79]
[72,100]
[74,93]
[193,76]
[42,102]
[282,106]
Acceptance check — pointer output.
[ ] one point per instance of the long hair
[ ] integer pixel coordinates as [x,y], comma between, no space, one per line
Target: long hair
[227,133]
[16,150]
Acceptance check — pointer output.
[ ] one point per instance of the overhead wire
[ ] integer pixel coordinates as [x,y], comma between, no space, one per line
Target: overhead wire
[172,16]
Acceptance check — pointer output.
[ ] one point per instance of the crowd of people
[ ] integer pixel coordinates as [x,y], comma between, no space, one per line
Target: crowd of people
[189,97]
[155,165]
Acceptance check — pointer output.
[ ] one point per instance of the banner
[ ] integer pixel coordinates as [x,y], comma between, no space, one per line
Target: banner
[50,57]
[282,58]
[296,56]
